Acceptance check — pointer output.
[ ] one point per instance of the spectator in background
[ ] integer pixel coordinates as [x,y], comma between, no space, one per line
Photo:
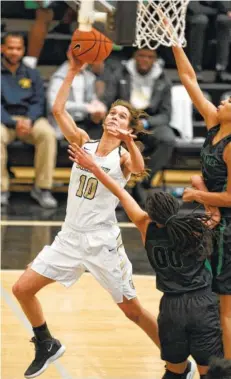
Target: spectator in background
[98,69]
[83,106]
[22,108]
[143,82]
[218,14]
[46,12]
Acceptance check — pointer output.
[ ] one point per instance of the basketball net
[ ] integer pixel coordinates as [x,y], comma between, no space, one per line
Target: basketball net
[150,28]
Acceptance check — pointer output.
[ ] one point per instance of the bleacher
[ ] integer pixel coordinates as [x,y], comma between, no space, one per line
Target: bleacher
[186,157]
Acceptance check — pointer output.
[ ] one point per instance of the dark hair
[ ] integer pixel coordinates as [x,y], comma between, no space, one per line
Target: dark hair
[138,129]
[187,233]
[219,369]
[12,34]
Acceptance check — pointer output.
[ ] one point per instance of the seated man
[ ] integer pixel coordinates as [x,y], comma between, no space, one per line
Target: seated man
[82,104]
[22,108]
[143,82]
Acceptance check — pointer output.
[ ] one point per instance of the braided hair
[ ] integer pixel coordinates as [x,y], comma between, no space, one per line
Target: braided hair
[186,233]
[219,369]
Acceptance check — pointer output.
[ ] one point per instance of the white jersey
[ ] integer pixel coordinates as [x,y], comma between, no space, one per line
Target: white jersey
[90,204]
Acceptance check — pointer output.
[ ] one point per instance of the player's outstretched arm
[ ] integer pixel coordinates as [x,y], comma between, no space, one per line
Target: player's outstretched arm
[131,161]
[213,212]
[189,80]
[216,199]
[66,123]
[133,210]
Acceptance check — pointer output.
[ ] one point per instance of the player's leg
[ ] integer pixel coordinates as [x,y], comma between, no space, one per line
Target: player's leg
[204,329]
[113,271]
[50,265]
[48,348]
[225,316]
[25,289]
[221,262]
[141,317]
[184,370]
[174,338]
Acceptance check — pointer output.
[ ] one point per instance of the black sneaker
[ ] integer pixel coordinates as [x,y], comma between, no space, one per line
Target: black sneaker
[45,353]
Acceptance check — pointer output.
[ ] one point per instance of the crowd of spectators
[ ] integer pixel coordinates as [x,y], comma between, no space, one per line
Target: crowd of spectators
[141,80]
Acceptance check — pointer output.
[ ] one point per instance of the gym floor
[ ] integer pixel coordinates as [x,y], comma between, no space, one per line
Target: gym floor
[100,341]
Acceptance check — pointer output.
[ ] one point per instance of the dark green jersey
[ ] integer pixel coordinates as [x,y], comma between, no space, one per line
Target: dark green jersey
[214,169]
[176,273]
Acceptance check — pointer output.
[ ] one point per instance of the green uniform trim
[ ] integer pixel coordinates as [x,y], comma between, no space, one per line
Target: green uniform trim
[208,265]
[221,247]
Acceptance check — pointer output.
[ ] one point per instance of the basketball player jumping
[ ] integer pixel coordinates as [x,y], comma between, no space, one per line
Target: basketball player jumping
[177,248]
[216,172]
[90,238]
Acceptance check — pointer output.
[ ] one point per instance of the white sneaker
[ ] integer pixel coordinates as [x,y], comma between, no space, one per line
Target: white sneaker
[44,198]
[190,370]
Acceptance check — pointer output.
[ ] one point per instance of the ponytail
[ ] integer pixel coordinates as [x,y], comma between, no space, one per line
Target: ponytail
[189,233]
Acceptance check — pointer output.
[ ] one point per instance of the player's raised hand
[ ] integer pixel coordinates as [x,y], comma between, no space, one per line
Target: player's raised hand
[214,219]
[166,25]
[74,64]
[123,135]
[80,156]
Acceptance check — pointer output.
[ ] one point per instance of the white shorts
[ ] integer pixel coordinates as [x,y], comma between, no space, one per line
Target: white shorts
[100,252]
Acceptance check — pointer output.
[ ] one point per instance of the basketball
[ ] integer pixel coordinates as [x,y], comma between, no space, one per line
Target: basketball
[90,47]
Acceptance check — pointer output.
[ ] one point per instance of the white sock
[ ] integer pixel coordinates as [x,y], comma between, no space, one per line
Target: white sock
[30,61]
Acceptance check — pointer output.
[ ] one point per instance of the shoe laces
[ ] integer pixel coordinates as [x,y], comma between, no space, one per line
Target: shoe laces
[35,342]
[40,348]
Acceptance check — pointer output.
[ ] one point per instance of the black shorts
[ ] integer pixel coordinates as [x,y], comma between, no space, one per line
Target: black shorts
[189,324]
[221,258]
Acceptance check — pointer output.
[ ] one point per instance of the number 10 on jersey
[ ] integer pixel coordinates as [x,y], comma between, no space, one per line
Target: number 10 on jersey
[87,187]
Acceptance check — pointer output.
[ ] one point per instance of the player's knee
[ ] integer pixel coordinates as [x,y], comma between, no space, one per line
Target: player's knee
[132,312]
[19,290]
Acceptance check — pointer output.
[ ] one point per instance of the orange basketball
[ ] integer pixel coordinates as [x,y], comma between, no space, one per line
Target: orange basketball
[90,47]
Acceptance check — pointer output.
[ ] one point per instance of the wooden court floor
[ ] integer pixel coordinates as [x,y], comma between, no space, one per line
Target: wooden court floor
[100,341]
